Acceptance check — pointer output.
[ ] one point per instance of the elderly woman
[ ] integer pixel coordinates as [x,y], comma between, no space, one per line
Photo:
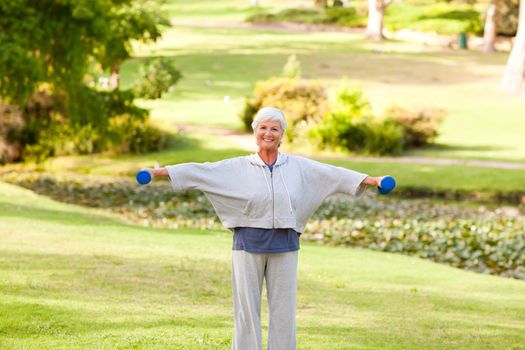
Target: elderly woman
[265,199]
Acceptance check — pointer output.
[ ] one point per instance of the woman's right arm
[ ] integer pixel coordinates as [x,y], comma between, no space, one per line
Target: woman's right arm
[155,172]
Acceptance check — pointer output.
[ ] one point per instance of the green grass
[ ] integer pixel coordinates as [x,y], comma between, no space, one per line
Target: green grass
[73,278]
[440,17]
[482,122]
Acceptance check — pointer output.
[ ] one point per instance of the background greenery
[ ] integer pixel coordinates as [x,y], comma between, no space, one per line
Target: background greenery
[148,268]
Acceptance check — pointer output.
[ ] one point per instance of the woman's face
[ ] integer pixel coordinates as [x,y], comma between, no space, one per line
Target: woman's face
[268,135]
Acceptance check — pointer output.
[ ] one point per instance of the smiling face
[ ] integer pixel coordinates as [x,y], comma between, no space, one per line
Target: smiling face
[268,135]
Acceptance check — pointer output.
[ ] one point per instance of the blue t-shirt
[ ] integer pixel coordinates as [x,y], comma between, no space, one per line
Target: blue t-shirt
[263,240]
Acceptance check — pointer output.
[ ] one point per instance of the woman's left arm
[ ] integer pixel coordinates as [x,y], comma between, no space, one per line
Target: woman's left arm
[372,181]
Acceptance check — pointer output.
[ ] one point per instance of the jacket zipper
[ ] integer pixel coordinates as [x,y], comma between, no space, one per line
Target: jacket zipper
[273,201]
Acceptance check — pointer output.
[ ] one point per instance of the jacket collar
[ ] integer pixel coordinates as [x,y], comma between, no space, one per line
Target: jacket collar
[255,159]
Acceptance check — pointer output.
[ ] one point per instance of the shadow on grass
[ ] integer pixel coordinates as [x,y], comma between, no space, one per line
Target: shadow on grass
[235,73]
[460,15]
[27,320]
[63,217]
[116,279]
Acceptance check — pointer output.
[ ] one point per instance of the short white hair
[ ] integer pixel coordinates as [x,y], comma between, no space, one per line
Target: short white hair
[269,114]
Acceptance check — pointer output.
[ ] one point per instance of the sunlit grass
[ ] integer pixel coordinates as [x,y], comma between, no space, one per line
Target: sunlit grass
[224,64]
[73,278]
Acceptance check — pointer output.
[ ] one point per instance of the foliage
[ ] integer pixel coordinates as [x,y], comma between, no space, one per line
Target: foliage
[301,100]
[345,16]
[420,127]
[51,44]
[507,14]
[475,238]
[292,68]
[350,125]
[347,123]
[481,240]
[42,131]
[441,17]
[58,137]
[156,77]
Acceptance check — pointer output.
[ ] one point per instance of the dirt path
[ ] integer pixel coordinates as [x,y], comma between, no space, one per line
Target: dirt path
[246,142]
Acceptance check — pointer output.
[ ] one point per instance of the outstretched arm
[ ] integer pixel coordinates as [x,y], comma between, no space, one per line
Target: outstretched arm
[155,172]
[372,181]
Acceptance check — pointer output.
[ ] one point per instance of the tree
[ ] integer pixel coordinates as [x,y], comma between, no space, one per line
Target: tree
[53,43]
[376,13]
[489,32]
[514,76]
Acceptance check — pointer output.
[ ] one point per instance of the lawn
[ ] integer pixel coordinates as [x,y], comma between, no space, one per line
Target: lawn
[74,278]
[482,122]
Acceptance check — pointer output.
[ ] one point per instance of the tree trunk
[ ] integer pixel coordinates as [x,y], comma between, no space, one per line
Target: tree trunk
[255,3]
[489,32]
[376,12]
[514,76]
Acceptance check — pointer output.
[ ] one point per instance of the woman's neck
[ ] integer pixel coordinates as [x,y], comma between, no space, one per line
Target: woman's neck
[268,156]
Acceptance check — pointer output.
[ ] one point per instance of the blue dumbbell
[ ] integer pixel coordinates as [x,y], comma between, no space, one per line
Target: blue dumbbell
[387,184]
[143,177]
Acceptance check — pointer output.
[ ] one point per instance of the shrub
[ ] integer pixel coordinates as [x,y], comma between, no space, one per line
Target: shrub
[40,130]
[385,137]
[301,101]
[157,77]
[345,16]
[350,125]
[292,68]
[58,137]
[420,127]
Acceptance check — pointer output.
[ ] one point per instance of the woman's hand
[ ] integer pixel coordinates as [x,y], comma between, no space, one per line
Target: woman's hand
[155,172]
[373,181]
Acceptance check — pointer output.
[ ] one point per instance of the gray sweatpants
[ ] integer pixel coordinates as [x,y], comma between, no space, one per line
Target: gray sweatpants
[280,272]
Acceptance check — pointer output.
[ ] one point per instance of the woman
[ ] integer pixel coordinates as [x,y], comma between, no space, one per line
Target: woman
[266,199]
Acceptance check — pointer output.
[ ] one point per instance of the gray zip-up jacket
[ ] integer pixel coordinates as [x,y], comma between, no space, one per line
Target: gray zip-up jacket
[245,193]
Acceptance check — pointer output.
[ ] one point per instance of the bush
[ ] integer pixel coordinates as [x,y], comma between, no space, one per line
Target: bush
[301,101]
[350,126]
[41,130]
[58,137]
[345,16]
[292,68]
[157,77]
[420,127]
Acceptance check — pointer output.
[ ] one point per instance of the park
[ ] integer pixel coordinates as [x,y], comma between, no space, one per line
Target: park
[431,93]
